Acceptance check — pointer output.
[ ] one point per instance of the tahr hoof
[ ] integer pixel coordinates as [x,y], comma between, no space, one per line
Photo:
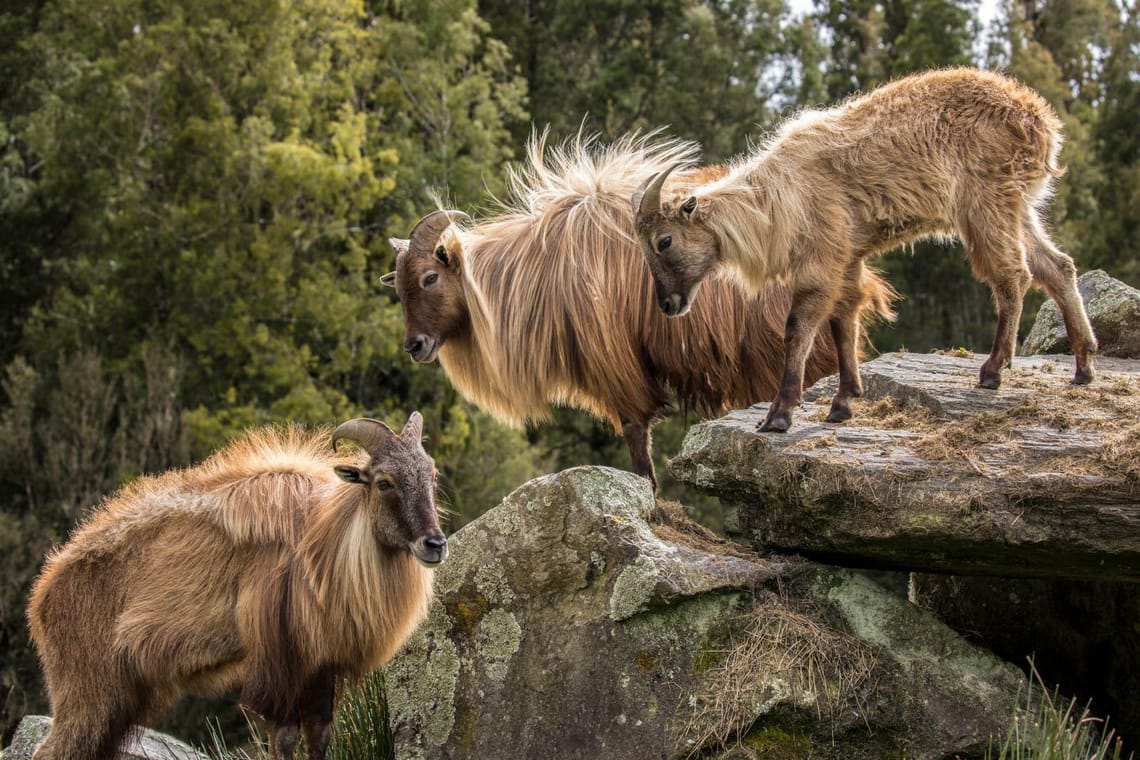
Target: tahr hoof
[1083,378]
[777,423]
[839,414]
[992,382]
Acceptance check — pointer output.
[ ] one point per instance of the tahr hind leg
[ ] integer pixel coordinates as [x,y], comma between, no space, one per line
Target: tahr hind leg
[1056,274]
[996,252]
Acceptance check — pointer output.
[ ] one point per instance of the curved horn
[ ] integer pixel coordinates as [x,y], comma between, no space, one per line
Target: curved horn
[414,428]
[647,198]
[399,245]
[432,226]
[370,434]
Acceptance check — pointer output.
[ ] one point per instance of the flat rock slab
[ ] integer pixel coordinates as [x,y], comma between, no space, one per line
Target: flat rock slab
[1039,479]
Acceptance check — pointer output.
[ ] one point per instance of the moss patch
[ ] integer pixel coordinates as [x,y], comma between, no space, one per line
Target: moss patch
[774,743]
[633,588]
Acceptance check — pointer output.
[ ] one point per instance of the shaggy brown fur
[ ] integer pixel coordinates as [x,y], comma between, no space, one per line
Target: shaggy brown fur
[957,152]
[548,303]
[257,568]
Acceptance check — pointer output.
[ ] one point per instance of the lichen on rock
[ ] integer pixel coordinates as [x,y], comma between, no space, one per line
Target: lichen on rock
[602,634]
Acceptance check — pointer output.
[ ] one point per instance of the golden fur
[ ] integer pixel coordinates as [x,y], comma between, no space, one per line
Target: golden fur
[958,152]
[258,567]
[548,303]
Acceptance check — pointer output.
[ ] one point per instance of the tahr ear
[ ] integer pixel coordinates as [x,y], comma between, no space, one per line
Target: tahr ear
[388,279]
[689,206]
[350,474]
[443,256]
[399,245]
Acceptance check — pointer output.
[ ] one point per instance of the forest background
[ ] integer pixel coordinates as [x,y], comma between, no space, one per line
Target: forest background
[196,197]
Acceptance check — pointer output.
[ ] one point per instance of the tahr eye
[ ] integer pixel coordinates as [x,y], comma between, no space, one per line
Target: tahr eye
[429,279]
[385,484]
[664,243]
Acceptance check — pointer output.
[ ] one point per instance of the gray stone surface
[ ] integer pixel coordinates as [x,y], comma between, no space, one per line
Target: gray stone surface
[936,474]
[1114,311]
[574,621]
[145,745]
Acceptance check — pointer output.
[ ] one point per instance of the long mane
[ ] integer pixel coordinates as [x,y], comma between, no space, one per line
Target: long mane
[561,275]
[240,489]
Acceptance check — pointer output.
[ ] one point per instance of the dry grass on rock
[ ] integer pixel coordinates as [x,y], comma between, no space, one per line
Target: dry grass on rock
[1108,410]
[671,524]
[785,659]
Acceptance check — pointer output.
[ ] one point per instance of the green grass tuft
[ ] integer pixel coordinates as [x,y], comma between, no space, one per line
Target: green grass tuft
[361,729]
[1049,728]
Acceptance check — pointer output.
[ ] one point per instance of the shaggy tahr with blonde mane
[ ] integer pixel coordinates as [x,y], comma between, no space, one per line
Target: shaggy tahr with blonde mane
[957,152]
[277,565]
[547,302]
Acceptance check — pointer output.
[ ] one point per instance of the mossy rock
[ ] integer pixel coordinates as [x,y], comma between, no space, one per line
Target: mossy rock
[570,622]
[1114,311]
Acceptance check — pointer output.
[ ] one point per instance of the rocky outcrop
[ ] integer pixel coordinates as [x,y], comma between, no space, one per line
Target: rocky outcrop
[1114,311]
[1040,478]
[580,619]
[145,745]
[1029,496]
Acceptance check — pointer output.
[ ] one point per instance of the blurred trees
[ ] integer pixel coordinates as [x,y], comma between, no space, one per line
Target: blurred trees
[1115,242]
[195,198]
[711,71]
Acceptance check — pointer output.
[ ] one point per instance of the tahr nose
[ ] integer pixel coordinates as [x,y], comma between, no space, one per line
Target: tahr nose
[414,345]
[671,305]
[436,547]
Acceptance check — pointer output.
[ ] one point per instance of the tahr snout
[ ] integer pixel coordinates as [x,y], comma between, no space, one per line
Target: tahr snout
[672,305]
[431,549]
[421,347]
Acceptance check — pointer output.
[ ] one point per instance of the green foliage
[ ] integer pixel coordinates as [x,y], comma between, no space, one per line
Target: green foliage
[453,95]
[227,172]
[613,67]
[1115,244]
[479,461]
[24,539]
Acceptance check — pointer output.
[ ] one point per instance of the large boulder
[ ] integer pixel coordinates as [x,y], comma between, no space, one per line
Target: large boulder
[579,618]
[1040,478]
[1114,311]
[144,745]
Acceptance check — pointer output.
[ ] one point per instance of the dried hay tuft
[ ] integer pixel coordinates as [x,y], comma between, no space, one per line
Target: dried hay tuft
[1108,408]
[671,524]
[785,657]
